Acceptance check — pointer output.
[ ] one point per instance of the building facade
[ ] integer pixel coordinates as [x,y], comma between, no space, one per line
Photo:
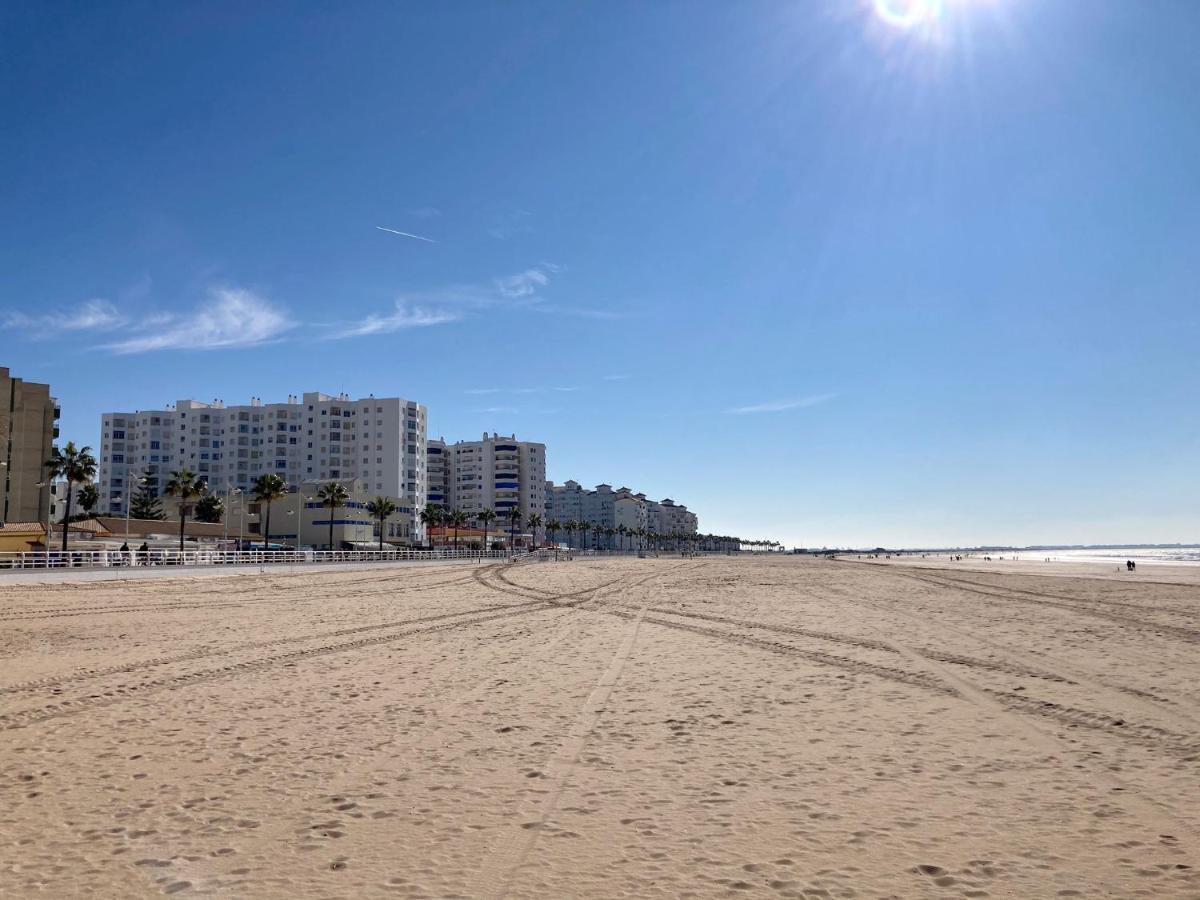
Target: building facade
[28,427]
[614,508]
[353,526]
[436,471]
[378,442]
[498,473]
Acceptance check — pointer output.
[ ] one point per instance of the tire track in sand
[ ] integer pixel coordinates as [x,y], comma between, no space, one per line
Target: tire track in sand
[1190,635]
[22,718]
[500,869]
[994,703]
[71,611]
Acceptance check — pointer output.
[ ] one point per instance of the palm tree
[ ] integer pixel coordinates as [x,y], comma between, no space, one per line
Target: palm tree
[597,530]
[89,496]
[187,487]
[621,532]
[552,529]
[432,516]
[514,519]
[380,508]
[268,489]
[608,538]
[333,495]
[456,520]
[487,517]
[573,526]
[534,522]
[76,465]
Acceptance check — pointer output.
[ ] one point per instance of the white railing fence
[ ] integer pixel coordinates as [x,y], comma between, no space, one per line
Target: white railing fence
[57,559]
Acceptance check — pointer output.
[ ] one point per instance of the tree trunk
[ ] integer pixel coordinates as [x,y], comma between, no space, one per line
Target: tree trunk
[331,509]
[380,535]
[267,531]
[182,519]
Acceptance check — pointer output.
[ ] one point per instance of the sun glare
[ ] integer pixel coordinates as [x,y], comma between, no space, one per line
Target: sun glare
[908,13]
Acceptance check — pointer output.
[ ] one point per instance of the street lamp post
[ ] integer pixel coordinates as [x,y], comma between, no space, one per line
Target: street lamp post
[225,518]
[141,482]
[46,542]
[242,505]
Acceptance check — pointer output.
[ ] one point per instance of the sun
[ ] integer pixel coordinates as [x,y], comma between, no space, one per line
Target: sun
[908,13]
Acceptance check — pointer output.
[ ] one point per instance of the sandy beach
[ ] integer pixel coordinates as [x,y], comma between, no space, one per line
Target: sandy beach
[710,727]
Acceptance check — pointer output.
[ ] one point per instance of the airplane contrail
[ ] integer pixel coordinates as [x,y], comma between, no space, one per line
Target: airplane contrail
[415,237]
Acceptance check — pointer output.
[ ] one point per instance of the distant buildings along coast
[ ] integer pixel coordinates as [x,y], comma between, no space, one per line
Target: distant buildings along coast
[616,509]
[375,446]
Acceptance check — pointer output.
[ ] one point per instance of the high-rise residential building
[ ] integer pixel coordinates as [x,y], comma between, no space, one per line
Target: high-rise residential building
[436,470]
[378,441]
[497,472]
[28,416]
[612,508]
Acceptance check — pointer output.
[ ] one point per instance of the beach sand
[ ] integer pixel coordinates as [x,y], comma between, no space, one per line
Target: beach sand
[712,727]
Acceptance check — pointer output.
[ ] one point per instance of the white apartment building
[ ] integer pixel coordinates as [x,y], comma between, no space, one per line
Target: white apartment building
[609,508]
[317,437]
[497,472]
[669,517]
[437,468]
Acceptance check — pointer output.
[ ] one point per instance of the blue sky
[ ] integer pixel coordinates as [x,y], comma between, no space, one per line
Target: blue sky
[894,272]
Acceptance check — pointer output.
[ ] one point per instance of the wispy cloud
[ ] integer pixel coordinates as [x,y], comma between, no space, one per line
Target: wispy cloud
[525,284]
[617,377]
[453,302]
[232,317]
[425,212]
[497,409]
[92,315]
[415,237]
[403,317]
[781,405]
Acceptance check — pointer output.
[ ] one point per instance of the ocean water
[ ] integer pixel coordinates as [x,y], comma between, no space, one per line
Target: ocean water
[1176,556]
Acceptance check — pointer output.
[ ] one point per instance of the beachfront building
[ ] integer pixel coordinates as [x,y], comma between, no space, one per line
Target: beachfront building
[497,472]
[669,517]
[436,470]
[376,441]
[353,525]
[28,427]
[614,508]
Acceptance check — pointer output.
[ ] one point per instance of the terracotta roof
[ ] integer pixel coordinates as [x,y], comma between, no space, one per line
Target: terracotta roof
[142,527]
[23,528]
[84,526]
